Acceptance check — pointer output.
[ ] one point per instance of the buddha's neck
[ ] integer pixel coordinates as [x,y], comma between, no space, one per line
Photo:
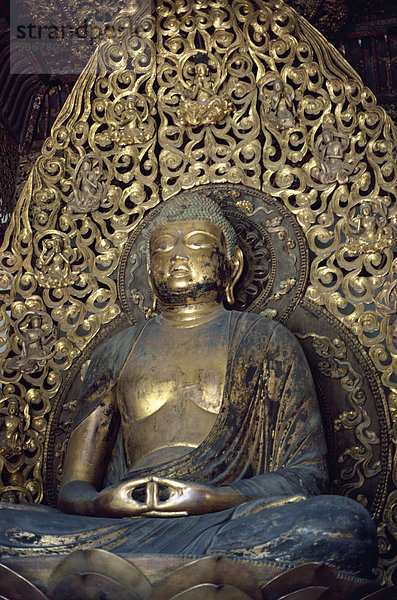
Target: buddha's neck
[189,315]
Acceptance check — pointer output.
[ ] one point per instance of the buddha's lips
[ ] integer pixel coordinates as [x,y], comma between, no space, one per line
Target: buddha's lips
[179,269]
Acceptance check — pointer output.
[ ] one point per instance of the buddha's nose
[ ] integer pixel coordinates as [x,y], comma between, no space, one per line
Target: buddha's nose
[179,253]
[178,256]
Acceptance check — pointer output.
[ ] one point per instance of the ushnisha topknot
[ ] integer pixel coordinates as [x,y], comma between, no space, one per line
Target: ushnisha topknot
[192,206]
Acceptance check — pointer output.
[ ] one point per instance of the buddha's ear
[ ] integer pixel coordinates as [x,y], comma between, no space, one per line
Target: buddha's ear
[149,278]
[237,264]
[152,311]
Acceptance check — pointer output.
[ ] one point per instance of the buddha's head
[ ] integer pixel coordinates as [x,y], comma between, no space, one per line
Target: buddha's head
[86,165]
[201,66]
[278,85]
[35,321]
[13,407]
[192,252]
[328,136]
[202,70]
[366,209]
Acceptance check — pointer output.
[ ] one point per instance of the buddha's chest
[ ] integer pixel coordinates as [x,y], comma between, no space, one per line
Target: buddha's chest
[170,391]
[174,370]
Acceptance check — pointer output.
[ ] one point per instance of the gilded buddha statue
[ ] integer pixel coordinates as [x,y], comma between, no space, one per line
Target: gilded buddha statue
[201,425]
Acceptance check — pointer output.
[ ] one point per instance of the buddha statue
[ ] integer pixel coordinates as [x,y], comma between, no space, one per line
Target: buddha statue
[198,431]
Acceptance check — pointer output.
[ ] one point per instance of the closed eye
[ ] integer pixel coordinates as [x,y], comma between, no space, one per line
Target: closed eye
[199,245]
[162,248]
[200,239]
[164,243]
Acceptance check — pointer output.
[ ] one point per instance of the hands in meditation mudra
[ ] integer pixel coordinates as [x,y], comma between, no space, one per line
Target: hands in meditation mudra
[208,421]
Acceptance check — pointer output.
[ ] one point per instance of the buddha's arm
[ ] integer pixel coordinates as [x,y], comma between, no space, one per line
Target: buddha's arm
[88,453]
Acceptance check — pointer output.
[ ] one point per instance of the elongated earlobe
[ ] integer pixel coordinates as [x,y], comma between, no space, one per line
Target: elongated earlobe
[229,294]
[152,311]
[237,263]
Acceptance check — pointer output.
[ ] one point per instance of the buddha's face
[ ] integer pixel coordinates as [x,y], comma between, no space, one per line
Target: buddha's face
[201,70]
[13,408]
[188,262]
[366,210]
[278,85]
[36,322]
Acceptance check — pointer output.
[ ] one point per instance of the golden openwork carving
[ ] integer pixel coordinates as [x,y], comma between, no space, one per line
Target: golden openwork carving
[274,107]
[358,461]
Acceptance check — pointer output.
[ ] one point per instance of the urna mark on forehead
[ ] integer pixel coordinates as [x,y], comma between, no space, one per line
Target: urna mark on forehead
[193,207]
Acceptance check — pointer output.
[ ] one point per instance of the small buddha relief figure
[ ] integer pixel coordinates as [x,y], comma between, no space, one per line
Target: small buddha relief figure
[13,424]
[89,190]
[201,103]
[329,152]
[128,122]
[202,423]
[36,334]
[53,267]
[372,233]
[279,107]
[127,114]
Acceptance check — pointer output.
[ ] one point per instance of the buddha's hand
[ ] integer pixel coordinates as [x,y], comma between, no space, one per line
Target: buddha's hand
[127,499]
[170,498]
[132,498]
[147,497]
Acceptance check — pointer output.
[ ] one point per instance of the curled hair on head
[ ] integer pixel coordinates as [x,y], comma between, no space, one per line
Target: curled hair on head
[192,206]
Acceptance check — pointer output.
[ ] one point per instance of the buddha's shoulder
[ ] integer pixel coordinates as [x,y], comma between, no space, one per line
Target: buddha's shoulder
[118,346]
[127,335]
[258,326]
[257,321]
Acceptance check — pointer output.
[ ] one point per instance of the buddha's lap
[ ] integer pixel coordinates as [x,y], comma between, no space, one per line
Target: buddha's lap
[330,529]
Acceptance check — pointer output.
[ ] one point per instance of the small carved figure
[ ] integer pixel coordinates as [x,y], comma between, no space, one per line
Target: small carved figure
[89,190]
[201,104]
[12,428]
[369,223]
[53,267]
[280,106]
[203,86]
[132,126]
[329,152]
[372,233]
[36,342]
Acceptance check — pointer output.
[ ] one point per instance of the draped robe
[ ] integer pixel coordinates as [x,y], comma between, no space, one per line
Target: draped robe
[267,442]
